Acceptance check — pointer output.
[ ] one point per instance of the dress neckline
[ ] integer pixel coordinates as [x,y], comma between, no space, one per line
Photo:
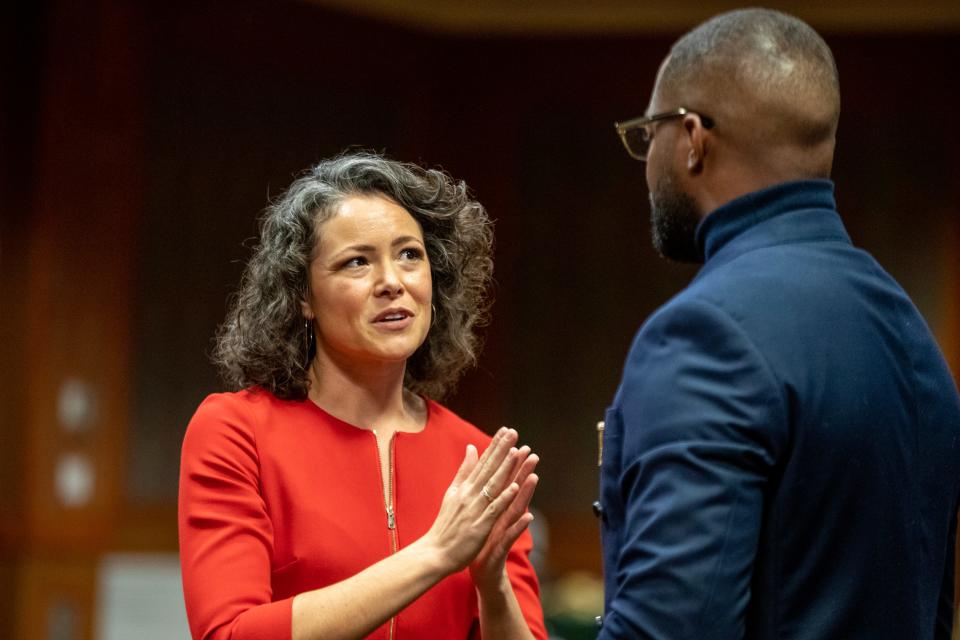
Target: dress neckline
[352,429]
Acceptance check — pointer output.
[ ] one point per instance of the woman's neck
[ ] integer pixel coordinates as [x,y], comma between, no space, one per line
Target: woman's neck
[368,395]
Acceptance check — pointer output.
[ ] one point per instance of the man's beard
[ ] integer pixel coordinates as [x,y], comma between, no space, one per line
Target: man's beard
[674,220]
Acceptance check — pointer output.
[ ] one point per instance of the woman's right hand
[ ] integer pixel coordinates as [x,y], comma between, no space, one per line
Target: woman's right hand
[467,515]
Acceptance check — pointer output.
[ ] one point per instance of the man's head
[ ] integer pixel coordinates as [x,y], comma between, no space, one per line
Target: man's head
[763,101]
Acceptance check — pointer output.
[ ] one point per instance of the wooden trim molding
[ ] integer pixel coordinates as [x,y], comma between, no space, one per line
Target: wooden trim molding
[627,17]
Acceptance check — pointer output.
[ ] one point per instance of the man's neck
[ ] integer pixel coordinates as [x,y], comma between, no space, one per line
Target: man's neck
[745,171]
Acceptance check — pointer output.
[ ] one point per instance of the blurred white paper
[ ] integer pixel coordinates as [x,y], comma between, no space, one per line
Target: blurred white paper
[140,596]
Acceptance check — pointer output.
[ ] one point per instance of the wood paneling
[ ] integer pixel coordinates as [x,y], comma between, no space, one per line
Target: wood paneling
[80,263]
[20,50]
[55,597]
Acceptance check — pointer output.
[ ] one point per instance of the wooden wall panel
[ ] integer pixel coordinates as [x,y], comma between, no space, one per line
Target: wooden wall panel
[82,261]
[20,50]
[79,278]
[55,597]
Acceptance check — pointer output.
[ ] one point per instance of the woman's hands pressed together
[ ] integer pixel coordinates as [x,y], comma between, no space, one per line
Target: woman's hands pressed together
[488,568]
[484,510]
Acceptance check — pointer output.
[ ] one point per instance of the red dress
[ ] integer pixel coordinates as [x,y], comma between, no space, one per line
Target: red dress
[278,497]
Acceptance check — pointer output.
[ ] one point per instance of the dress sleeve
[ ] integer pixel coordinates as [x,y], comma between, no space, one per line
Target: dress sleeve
[525,585]
[226,536]
[704,423]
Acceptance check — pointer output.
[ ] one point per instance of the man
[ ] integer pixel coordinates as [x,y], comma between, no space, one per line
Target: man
[782,458]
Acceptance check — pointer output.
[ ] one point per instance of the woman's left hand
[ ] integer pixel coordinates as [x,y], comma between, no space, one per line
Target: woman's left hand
[489,567]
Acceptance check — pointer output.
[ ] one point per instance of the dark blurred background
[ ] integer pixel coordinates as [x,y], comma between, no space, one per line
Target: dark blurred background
[140,141]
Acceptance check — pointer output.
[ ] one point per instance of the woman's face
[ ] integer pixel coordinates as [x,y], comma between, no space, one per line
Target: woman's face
[370,284]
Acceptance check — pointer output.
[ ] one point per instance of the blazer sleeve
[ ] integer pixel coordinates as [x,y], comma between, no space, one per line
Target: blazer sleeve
[523,578]
[704,423]
[226,536]
[947,615]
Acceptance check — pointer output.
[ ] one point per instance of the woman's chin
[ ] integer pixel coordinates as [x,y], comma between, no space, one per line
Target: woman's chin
[391,355]
[398,349]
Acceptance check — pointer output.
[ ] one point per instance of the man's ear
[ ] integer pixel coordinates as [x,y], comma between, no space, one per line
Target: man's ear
[697,141]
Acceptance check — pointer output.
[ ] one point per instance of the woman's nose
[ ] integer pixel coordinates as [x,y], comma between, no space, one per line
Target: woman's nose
[390,284]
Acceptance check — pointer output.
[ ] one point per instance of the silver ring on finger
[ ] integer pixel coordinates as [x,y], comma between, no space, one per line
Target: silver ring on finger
[486,494]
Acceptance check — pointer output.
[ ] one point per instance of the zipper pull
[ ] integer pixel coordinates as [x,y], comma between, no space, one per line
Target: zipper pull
[391,520]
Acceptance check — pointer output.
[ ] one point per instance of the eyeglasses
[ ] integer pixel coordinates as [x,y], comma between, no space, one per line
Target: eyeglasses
[637,135]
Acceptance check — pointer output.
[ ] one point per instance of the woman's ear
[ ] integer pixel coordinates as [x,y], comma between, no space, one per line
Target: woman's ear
[306,310]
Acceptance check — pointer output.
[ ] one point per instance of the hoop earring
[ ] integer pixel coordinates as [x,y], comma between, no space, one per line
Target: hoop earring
[433,314]
[309,338]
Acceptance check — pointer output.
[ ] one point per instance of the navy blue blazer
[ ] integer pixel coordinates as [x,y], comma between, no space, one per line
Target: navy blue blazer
[782,458]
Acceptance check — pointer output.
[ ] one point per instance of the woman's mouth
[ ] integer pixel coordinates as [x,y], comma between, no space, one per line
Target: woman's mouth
[394,319]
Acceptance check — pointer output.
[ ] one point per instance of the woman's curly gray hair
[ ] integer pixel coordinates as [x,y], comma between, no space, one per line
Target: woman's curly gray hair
[264,341]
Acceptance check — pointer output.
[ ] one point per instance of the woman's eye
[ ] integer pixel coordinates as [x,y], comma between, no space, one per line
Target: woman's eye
[352,263]
[411,253]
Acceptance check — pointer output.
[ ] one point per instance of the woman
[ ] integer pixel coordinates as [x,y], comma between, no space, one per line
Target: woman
[331,496]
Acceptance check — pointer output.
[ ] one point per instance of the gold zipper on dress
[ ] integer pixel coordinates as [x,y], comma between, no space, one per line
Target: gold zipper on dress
[388,502]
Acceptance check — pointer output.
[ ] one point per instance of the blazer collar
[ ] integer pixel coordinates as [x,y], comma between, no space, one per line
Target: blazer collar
[804,210]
